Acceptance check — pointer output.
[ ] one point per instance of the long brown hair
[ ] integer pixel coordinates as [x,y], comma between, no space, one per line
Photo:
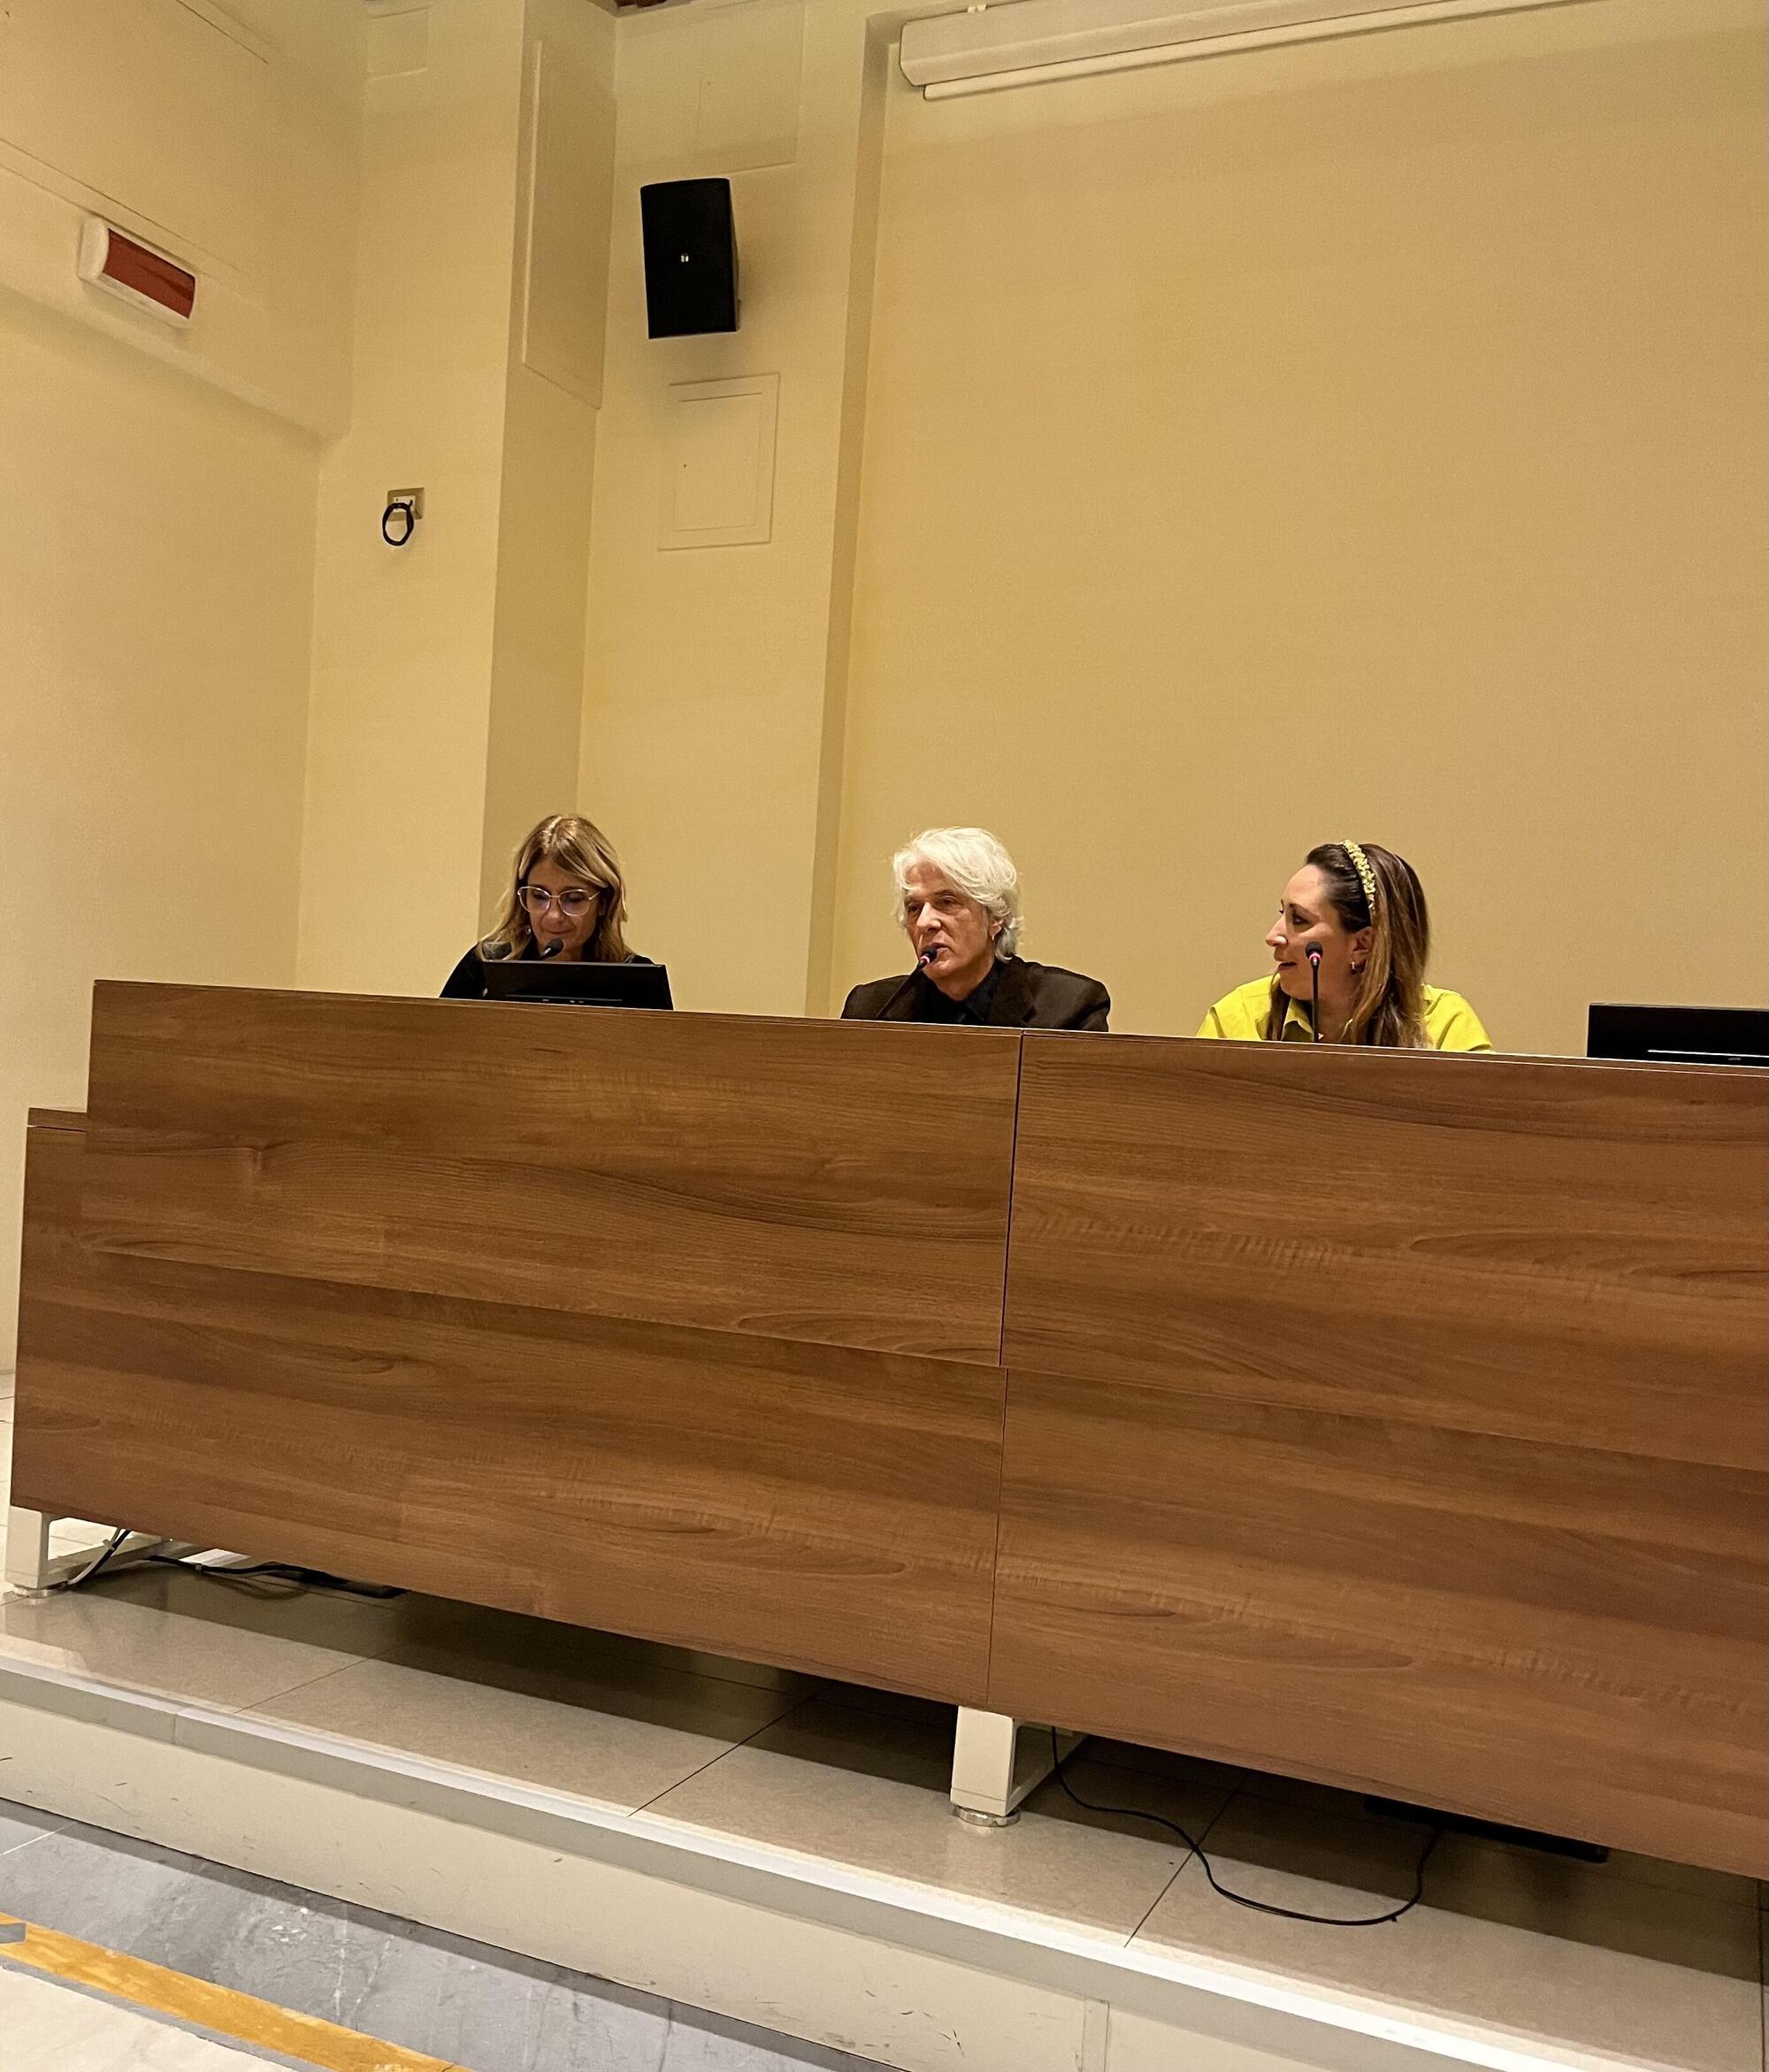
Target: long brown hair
[577,845]
[1389,1007]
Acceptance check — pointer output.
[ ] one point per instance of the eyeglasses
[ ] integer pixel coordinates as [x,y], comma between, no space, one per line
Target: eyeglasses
[574,901]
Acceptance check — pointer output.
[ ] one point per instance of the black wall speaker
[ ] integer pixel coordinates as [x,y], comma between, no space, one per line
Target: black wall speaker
[690,258]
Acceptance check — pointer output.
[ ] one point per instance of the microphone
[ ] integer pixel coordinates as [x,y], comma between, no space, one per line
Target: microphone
[922,963]
[553,948]
[1313,956]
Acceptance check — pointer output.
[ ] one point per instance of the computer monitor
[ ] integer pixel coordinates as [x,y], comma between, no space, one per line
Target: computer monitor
[1679,1035]
[555,984]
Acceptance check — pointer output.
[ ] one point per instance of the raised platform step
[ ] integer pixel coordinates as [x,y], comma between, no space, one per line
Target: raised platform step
[781,1851]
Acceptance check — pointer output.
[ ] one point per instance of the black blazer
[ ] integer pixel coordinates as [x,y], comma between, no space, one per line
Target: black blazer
[467,981]
[1027,995]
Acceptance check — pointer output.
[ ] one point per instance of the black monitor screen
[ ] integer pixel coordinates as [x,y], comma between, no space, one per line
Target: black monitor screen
[555,984]
[1679,1035]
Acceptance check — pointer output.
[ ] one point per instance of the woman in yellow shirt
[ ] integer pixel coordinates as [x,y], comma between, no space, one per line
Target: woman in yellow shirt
[1360,911]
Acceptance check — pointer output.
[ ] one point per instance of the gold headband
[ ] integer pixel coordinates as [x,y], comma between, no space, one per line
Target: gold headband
[1366,875]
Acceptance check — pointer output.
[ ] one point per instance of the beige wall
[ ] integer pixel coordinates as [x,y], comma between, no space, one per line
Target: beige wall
[558,315]
[1364,439]
[402,640]
[155,570]
[447,676]
[712,678]
[226,138]
[157,512]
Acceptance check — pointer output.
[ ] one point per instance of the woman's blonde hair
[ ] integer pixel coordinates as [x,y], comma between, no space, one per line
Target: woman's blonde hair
[577,845]
[1390,901]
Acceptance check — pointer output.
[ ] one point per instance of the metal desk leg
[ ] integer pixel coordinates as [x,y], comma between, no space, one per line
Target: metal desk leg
[31,1567]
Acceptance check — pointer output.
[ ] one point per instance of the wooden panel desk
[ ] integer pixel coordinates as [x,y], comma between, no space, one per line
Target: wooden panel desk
[1388,1419]
[1398,1421]
[608,1317]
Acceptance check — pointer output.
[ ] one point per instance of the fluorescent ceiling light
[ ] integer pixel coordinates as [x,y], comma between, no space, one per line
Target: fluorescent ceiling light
[980,50]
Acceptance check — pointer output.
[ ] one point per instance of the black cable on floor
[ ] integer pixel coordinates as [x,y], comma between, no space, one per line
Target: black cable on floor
[93,1567]
[260,1579]
[1241,1898]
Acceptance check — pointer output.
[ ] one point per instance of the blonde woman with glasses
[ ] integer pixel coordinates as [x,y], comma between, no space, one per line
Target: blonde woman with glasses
[565,899]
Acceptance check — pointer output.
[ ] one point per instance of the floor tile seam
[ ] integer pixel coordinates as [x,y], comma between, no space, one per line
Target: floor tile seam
[712,1762]
[1149,1911]
[251,1705]
[1193,1853]
[1210,1825]
[60,1827]
[1199,1855]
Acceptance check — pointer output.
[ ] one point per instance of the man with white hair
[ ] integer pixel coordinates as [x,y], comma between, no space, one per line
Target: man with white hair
[958,899]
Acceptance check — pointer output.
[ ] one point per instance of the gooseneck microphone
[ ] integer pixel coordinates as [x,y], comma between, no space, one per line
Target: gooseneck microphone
[922,963]
[552,949]
[1313,954]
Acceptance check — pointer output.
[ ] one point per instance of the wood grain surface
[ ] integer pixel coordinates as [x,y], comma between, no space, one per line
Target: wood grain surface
[791,1179]
[620,1319]
[1393,1420]
[51,1270]
[1396,1420]
[810,1506]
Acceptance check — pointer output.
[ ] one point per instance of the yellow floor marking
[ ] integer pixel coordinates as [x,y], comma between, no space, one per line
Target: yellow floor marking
[218,2009]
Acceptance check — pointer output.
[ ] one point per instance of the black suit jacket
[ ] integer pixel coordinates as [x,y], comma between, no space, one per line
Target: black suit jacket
[1027,995]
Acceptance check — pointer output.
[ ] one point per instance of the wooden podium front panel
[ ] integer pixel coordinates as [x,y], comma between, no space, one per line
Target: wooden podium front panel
[1397,1420]
[681,1327]
[791,1179]
[805,1505]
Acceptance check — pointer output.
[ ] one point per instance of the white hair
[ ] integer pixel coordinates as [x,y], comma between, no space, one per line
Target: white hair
[976,863]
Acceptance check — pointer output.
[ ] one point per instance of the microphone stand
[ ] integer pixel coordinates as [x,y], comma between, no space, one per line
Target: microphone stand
[920,966]
[1314,989]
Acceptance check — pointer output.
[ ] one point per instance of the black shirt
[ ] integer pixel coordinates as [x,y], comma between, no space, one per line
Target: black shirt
[939,1006]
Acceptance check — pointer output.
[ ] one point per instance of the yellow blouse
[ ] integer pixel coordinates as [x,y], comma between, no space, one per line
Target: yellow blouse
[1450,1024]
